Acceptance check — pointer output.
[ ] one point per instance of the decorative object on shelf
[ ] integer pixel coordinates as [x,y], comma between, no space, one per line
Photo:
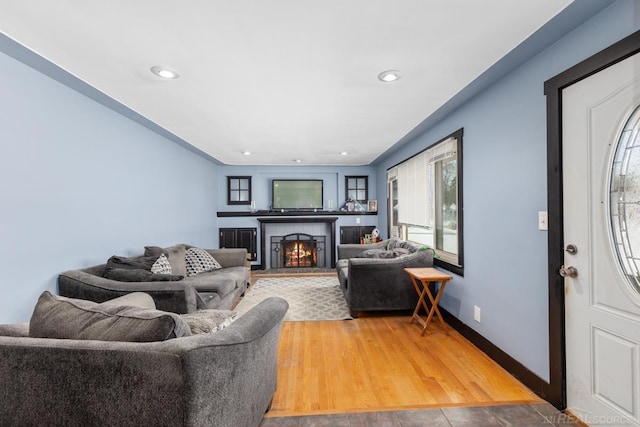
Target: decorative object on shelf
[374,237]
[351,205]
[372,206]
[253,206]
[367,239]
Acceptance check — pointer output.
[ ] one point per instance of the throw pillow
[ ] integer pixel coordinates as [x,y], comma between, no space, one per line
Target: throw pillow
[377,253]
[206,321]
[176,254]
[68,318]
[393,242]
[154,251]
[162,265]
[143,262]
[199,261]
[135,269]
[401,251]
[403,244]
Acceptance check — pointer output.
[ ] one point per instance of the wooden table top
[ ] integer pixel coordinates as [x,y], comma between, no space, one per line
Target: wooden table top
[427,273]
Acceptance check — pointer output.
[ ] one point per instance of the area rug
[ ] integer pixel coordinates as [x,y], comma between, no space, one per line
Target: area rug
[309,298]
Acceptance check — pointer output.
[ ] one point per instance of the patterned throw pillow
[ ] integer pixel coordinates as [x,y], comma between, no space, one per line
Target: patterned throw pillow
[199,261]
[162,266]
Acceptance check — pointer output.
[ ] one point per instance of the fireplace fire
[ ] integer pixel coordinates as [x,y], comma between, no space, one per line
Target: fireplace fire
[299,250]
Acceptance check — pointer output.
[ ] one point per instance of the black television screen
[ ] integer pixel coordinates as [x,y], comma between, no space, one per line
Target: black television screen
[301,194]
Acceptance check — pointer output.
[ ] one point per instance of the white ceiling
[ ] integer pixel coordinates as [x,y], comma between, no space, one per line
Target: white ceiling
[283,79]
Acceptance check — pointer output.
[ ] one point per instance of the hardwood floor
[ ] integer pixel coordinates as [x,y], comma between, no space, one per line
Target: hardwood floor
[383,364]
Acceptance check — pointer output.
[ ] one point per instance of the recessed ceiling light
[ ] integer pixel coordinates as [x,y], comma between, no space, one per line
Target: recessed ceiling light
[246,153]
[298,161]
[389,76]
[344,153]
[164,72]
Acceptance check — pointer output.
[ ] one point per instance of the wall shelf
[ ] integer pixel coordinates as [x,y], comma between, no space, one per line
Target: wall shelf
[291,213]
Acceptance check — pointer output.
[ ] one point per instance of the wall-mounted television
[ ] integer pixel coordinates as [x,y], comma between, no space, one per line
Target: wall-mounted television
[296,194]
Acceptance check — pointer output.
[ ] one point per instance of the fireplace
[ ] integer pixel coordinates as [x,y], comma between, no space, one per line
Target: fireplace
[274,230]
[299,250]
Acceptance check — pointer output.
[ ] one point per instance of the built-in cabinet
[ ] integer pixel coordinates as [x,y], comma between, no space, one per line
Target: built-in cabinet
[352,234]
[240,238]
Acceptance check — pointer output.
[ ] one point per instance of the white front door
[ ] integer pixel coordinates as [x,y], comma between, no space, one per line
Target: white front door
[601,185]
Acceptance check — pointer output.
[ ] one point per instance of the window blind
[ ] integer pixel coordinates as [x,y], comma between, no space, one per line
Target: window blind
[416,186]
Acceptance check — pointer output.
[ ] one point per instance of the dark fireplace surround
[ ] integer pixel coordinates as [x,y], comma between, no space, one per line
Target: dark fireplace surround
[264,222]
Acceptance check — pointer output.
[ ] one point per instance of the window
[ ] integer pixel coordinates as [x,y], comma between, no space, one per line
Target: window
[357,188]
[425,200]
[624,199]
[239,190]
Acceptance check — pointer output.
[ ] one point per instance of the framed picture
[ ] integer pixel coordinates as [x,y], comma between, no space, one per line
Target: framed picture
[372,206]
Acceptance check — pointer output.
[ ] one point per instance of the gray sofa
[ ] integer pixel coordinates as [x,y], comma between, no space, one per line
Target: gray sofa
[372,276]
[221,379]
[218,289]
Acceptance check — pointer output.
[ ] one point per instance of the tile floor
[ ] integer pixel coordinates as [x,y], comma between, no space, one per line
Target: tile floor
[542,414]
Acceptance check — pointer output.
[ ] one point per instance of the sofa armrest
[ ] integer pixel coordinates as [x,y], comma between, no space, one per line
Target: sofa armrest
[230,257]
[14,330]
[243,379]
[175,296]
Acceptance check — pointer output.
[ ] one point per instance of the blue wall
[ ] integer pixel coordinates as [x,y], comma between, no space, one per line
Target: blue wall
[80,182]
[505,187]
[333,178]
[333,181]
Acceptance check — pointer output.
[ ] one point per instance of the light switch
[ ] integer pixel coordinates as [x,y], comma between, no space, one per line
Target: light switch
[542,221]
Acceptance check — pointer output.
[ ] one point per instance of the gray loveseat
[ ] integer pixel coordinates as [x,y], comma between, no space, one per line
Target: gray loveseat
[221,379]
[372,276]
[217,289]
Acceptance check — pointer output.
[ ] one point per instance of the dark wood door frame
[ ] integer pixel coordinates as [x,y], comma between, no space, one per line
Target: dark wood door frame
[629,46]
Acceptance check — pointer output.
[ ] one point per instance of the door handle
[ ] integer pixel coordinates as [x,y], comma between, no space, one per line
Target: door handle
[569,271]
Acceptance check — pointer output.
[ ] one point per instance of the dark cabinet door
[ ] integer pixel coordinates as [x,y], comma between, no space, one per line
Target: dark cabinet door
[352,234]
[228,238]
[246,238]
[240,238]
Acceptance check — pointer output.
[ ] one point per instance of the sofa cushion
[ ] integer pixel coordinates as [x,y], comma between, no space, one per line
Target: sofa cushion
[206,321]
[162,265]
[199,260]
[67,318]
[137,275]
[135,299]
